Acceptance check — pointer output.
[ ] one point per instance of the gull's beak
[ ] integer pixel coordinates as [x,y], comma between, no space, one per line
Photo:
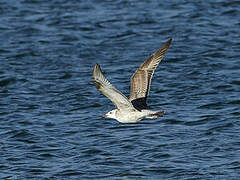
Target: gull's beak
[104,116]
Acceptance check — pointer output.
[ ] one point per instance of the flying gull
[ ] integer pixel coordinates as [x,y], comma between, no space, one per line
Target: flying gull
[133,109]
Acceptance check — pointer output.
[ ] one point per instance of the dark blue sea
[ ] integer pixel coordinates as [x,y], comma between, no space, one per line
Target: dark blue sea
[50,110]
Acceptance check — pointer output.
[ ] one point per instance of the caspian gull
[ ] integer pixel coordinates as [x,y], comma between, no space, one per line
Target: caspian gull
[133,109]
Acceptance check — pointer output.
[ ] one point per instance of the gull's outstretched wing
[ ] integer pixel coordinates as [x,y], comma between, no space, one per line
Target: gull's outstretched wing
[107,89]
[141,79]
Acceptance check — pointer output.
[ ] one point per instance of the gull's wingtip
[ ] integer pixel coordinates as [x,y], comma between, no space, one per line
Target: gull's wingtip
[169,40]
[96,68]
[97,72]
[95,75]
[167,43]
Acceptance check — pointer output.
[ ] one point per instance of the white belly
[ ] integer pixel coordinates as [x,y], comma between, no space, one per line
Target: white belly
[132,116]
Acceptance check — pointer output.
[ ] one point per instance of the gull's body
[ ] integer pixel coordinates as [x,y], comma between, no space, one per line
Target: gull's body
[133,109]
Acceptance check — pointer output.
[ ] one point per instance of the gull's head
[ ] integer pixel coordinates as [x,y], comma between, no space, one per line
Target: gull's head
[111,114]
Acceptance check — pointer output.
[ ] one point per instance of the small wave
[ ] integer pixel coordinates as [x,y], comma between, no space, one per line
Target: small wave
[199,122]
[210,105]
[220,127]
[235,102]
[236,82]
[7,81]
[65,76]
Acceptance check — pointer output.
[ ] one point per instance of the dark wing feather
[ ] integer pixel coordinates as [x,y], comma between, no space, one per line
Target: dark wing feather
[141,79]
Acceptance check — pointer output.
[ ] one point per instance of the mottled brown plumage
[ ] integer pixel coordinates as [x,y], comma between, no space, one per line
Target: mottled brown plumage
[141,79]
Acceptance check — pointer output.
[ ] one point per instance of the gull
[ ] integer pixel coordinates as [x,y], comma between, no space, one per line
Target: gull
[134,109]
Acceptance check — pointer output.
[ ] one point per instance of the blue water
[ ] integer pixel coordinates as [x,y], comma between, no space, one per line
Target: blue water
[50,124]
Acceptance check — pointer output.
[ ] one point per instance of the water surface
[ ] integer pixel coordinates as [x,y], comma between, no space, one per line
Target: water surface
[50,124]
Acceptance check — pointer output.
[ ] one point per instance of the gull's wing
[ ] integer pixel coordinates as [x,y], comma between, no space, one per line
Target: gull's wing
[141,79]
[107,89]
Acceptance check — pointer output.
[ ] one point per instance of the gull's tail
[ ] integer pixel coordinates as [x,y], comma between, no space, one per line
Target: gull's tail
[155,114]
